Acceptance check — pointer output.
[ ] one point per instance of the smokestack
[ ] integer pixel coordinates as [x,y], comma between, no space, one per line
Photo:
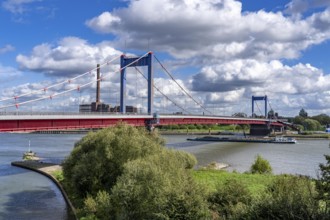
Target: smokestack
[98,84]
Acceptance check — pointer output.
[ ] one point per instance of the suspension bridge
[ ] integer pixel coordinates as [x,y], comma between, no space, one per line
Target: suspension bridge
[100,115]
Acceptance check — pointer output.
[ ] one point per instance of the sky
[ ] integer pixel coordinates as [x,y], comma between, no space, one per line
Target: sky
[221,52]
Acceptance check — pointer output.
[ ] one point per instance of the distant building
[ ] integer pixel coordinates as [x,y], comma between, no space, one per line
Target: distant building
[85,108]
[94,107]
[129,109]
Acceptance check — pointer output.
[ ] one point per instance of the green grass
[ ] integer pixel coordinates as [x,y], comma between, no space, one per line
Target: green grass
[58,174]
[255,183]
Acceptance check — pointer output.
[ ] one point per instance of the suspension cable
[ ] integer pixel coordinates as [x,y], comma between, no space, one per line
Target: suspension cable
[163,93]
[60,83]
[70,90]
[171,76]
[258,108]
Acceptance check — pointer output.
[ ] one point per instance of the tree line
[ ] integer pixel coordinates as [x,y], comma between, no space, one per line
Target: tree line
[311,123]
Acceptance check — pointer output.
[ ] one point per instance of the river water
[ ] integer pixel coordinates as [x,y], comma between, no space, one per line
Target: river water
[28,195]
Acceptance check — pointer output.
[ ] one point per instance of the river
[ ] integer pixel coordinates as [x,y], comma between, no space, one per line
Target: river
[28,195]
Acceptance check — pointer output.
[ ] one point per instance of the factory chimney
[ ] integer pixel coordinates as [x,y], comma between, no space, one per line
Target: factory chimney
[98,85]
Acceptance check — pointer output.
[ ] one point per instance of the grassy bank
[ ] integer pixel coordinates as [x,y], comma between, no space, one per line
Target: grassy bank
[255,183]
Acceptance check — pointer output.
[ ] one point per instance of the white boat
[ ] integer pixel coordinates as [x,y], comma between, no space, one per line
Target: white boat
[284,140]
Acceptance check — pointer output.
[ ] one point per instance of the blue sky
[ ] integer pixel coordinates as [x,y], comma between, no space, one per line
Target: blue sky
[221,51]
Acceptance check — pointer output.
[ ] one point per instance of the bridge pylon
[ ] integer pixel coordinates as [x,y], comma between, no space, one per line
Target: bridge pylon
[132,62]
[259,98]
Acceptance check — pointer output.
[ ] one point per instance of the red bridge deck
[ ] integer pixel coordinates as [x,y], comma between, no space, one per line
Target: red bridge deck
[38,122]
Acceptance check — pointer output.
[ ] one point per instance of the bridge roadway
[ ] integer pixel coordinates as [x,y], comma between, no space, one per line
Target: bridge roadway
[28,122]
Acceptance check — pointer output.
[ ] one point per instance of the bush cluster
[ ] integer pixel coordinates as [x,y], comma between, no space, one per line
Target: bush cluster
[126,173]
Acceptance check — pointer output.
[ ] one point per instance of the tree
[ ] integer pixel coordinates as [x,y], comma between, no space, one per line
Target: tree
[303,113]
[299,120]
[261,165]
[324,119]
[159,187]
[312,125]
[126,173]
[98,158]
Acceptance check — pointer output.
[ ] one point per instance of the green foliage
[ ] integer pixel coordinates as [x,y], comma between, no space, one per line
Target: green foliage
[98,158]
[299,120]
[126,173]
[199,126]
[174,127]
[230,200]
[288,197]
[159,187]
[261,165]
[58,174]
[255,183]
[312,125]
[323,186]
[191,127]
[98,207]
[183,127]
[324,119]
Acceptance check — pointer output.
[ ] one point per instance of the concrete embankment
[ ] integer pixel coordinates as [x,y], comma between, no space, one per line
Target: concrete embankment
[46,169]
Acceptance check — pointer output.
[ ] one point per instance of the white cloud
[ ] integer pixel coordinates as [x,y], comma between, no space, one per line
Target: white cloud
[211,28]
[8,74]
[17,6]
[300,6]
[267,77]
[104,22]
[72,56]
[6,48]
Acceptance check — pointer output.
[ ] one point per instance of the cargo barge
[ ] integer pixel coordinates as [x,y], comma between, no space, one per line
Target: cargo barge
[276,140]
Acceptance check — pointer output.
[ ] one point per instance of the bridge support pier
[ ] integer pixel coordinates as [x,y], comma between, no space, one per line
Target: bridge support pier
[260,130]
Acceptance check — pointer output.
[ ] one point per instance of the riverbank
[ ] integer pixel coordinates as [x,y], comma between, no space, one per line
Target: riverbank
[48,170]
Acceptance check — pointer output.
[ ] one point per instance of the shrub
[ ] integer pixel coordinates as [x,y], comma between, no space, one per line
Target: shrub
[183,126]
[199,126]
[323,186]
[158,187]
[288,197]
[191,127]
[261,166]
[230,199]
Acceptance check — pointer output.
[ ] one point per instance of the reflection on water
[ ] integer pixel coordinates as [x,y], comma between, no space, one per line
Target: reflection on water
[28,195]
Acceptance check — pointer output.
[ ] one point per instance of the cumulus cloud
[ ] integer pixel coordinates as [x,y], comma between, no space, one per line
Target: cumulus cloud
[17,6]
[72,56]
[261,77]
[301,6]
[289,87]
[211,28]
[6,48]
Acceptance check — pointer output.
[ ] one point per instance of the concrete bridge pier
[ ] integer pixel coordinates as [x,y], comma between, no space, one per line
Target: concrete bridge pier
[260,130]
